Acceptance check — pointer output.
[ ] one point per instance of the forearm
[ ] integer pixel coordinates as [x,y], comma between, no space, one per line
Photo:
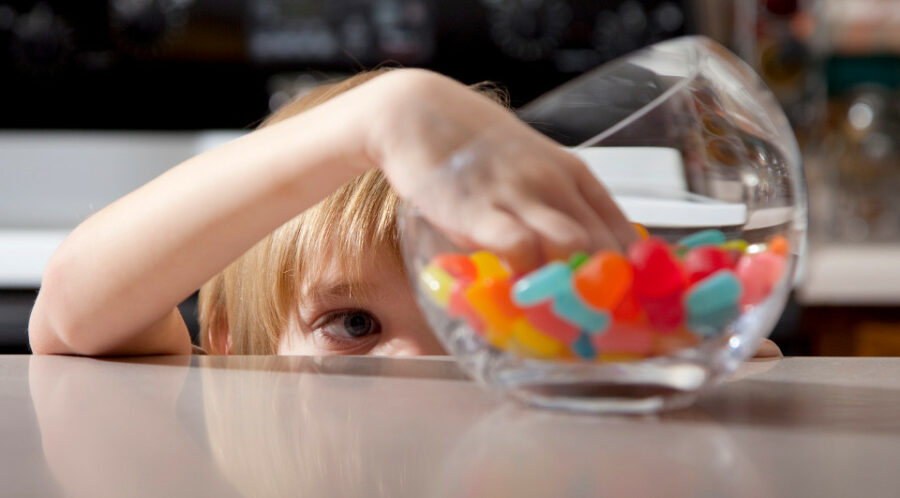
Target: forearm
[122,271]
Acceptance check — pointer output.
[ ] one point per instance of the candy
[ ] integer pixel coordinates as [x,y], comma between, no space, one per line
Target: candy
[583,348]
[666,313]
[578,259]
[657,272]
[603,281]
[459,307]
[542,284]
[627,339]
[437,283]
[758,274]
[489,266]
[641,230]
[704,261]
[629,309]
[713,302]
[739,245]
[544,319]
[702,238]
[488,299]
[458,266]
[532,342]
[569,307]
[779,245]
[664,344]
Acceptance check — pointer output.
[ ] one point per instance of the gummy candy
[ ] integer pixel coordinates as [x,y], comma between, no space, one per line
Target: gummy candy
[758,274]
[544,319]
[542,284]
[569,307]
[713,302]
[656,271]
[488,265]
[458,266]
[437,283]
[704,261]
[604,279]
[702,238]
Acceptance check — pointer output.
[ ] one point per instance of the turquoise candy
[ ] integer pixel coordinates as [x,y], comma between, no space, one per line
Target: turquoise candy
[584,348]
[713,302]
[542,284]
[703,238]
[570,308]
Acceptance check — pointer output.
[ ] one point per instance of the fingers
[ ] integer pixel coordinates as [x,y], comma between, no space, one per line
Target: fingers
[602,203]
[507,236]
[558,234]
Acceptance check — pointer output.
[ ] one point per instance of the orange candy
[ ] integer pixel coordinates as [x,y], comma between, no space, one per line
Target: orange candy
[490,298]
[779,245]
[604,279]
[642,232]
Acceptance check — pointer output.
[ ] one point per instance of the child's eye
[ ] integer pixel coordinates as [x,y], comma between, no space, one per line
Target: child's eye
[352,324]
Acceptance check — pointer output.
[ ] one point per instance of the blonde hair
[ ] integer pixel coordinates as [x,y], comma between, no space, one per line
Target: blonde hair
[255,297]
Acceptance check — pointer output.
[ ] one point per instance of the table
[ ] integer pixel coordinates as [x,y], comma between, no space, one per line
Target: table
[368,426]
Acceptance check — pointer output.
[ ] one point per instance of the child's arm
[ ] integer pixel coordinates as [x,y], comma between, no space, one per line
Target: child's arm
[113,285]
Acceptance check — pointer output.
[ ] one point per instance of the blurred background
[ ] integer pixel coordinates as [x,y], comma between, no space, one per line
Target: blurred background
[99,96]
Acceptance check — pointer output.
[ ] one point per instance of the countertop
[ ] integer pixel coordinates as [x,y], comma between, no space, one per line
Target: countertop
[366,426]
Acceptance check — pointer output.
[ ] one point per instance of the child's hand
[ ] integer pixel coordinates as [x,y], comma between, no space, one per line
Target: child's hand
[486,179]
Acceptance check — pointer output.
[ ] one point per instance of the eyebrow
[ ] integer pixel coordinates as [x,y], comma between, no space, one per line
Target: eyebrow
[338,291]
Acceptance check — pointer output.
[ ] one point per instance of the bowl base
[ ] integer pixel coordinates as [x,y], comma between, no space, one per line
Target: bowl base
[605,397]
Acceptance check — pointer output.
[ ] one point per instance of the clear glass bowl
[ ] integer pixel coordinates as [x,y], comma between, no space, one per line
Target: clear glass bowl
[693,147]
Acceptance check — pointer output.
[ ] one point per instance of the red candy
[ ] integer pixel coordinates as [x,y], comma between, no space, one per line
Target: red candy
[657,273]
[758,274]
[630,339]
[459,266]
[704,261]
[545,320]
[459,307]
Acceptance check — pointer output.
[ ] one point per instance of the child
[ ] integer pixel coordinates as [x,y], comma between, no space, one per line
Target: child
[330,280]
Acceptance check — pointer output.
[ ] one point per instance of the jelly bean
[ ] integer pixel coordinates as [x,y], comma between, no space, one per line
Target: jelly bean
[702,238]
[487,298]
[719,290]
[703,261]
[656,271]
[666,313]
[459,266]
[569,307]
[618,357]
[542,284]
[779,245]
[628,339]
[578,259]
[758,274]
[735,245]
[603,281]
[489,266]
[437,283]
[643,234]
[532,342]
[459,307]
[583,347]
[712,303]
[499,338]
[543,318]
[629,309]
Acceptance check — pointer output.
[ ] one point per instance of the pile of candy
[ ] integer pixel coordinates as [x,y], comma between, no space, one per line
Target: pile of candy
[609,306]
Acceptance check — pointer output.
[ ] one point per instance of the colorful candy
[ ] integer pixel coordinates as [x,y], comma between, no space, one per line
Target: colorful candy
[604,279]
[542,284]
[606,307]
[703,238]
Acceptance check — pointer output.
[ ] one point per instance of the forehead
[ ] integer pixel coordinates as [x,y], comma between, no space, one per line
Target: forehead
[330,275]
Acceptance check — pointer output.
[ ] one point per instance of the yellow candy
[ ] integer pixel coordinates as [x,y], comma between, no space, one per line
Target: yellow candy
[735,245]
[484,303]
[530,341]
[438,283]
[499,339]
[489,266]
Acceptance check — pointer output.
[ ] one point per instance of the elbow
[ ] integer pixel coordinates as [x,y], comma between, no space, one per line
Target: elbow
[54,326]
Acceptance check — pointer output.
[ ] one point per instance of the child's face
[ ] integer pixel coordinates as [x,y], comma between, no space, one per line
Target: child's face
[381,318]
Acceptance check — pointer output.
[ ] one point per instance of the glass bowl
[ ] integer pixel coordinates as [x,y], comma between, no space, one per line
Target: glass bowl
[696,150]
